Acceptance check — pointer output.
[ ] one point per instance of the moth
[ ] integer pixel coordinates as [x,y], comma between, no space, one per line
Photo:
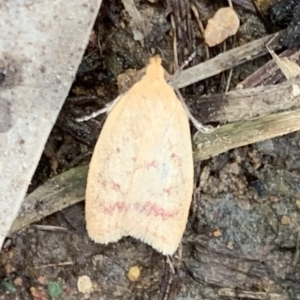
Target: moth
[140,179]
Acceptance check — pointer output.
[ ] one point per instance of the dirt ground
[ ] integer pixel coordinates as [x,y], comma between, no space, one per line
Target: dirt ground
[243,235]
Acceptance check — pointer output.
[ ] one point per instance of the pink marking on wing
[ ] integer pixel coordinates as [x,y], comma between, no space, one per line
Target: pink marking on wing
[104,183]
[146,165]
[149,208]
[168,190]
[176,158]
[111,208]
[151,164]
[115,186]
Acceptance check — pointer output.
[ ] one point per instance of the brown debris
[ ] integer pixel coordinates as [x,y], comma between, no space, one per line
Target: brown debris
[38,293]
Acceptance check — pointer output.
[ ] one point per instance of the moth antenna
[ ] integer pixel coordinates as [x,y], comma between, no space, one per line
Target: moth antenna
[198,125]
[108,107]
[187,61]
[178,71]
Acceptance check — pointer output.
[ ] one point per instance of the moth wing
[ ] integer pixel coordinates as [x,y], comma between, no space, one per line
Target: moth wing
[140,180]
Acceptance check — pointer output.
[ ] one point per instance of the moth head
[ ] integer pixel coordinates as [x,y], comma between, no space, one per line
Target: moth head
[154,69]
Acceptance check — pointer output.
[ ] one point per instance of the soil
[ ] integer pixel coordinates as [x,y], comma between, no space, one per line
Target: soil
[243,235]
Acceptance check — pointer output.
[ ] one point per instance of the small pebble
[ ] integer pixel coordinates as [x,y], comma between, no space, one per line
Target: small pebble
[84,284]
[134,273]
[285,220]
[230,245]
[217,233]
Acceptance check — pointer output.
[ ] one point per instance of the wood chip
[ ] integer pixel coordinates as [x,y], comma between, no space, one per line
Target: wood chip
[222,25]
[289,68]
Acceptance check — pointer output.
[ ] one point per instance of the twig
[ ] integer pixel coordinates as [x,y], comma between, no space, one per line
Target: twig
[239,134]
[228,81]
[297,252]
[62,264]
[228,292]
[174,42]
[56,194]
[49,228]
[246,4]
[201,28]
[227,60]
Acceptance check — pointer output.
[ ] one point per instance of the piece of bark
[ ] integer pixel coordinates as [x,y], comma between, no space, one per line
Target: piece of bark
[56,194]
[140,25]
[242,133]
[227,292]
[245,104]
[246,4]
[42,44]
[269,73]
